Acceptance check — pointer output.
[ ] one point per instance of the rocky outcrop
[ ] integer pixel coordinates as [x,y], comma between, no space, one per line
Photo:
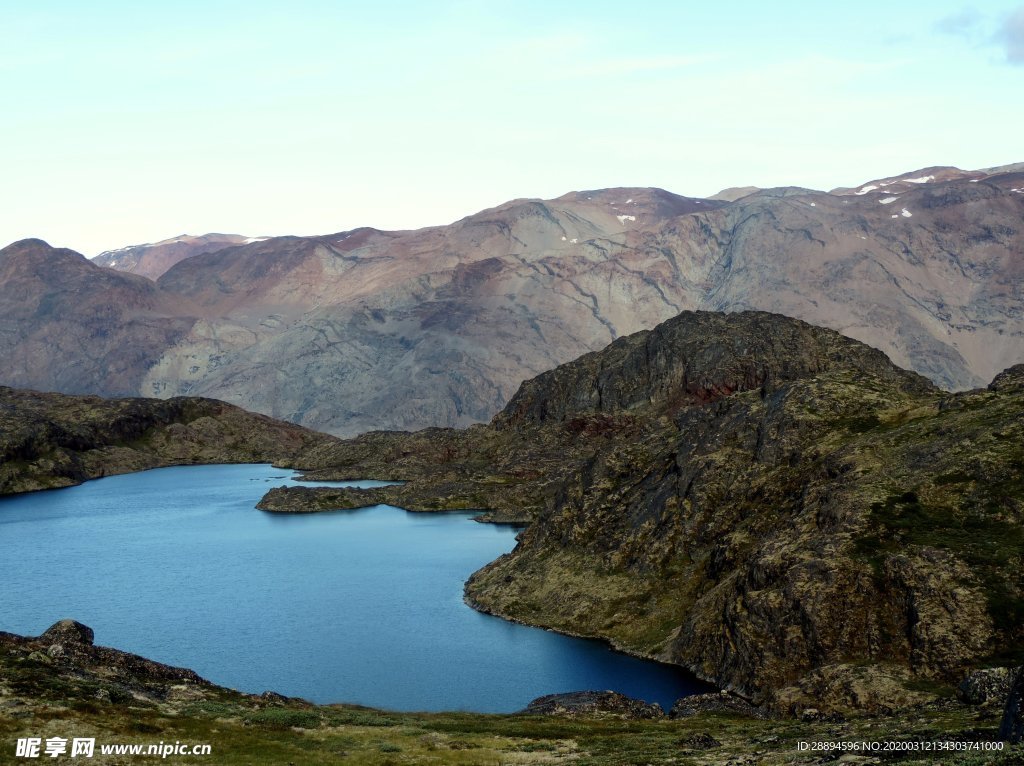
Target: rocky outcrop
[593,703]
[771,505]
[68,646]
[720,702]
[69,631]
[55,440]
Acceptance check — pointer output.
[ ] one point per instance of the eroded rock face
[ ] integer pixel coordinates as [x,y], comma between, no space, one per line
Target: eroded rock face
[593,703]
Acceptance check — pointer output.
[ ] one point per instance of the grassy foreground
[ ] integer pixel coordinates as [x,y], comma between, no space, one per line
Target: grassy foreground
[124,700]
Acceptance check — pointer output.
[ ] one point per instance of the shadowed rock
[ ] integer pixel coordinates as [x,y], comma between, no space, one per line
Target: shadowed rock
[593,703]
[56,440]
[1012,728]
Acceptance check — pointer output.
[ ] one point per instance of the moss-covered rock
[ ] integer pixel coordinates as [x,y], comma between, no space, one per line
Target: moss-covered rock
[55,440]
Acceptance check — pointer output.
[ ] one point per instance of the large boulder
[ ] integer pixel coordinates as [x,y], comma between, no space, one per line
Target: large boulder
[68,632]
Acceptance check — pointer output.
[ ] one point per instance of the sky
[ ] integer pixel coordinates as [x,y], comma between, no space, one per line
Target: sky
[128,122]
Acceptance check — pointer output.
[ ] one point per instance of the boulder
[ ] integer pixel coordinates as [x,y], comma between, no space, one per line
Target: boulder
[593,703]
[68,631]
[986,687]
[701,741]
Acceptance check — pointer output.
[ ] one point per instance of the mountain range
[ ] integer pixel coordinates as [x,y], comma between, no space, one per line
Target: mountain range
[369,329]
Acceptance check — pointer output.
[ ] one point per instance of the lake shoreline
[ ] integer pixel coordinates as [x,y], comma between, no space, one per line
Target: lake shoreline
[328,579]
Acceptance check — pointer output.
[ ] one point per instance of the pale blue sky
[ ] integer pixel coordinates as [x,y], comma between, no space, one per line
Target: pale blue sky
[126,122]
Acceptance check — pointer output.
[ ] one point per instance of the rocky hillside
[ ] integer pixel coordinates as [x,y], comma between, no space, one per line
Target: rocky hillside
[369,329]
[55,440]
[71,326]
[770,504]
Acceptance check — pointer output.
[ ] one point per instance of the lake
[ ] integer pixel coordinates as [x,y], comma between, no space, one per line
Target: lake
[360,606]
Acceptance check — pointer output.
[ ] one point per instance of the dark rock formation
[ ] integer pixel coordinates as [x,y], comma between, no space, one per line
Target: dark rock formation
[593,703]
[68,631]
[68,647]
[1012,728]
[699,742]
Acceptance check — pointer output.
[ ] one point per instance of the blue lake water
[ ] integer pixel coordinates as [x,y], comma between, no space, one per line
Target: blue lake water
[361,606]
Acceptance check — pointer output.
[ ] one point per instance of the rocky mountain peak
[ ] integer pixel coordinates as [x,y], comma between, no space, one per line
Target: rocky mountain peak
[693,358]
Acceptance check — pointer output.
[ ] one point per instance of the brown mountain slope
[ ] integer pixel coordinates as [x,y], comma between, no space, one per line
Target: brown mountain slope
[69,325]
[369,329]
[152,260]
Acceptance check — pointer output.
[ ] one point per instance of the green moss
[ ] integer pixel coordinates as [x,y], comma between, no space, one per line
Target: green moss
[283,718]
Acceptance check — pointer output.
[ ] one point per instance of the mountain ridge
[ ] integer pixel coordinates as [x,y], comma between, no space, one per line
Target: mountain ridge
[369,329]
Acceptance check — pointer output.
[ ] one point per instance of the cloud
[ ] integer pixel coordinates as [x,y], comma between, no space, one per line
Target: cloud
[980,30]
[1011,36]
[965,24]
